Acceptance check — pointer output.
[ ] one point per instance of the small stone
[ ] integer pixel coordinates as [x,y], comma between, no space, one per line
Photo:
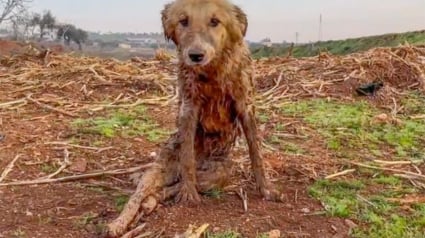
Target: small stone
[274,234]
[79,165]
[153,154]
[305,210]
[28,213]
[350,223]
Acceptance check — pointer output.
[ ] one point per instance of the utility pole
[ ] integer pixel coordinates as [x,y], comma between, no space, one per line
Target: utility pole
[297,35]
[320,28]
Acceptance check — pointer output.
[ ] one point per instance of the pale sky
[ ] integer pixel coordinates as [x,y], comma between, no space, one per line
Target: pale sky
[277,19]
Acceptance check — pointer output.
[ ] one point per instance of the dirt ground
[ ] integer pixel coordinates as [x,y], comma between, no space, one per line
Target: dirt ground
[40,102]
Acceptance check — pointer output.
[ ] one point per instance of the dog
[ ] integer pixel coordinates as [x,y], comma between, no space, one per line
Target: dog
[215,87]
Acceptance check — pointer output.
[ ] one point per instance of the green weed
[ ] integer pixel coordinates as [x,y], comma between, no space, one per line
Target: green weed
[227,234]
[120,202]
[124,123]
[349,126]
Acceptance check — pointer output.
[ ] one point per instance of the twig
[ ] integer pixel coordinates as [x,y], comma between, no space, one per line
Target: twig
[9,168]
[65,164]
[135,232]
[417,176]
[77,177]
[50,107]
[243,195]
[342,173]
[7,104]
[98,150]
[398,162]
[366,201]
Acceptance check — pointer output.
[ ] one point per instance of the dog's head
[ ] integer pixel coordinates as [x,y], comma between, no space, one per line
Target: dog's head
[203,29]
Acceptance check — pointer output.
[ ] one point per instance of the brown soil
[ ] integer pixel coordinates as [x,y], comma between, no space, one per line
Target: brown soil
[81,208]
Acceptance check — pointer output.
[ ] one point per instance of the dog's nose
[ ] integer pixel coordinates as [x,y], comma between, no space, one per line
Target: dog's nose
[196,56]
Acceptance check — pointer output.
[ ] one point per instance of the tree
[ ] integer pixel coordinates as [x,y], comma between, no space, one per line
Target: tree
[71,33]
[20,25]
[11,8]
[46,21]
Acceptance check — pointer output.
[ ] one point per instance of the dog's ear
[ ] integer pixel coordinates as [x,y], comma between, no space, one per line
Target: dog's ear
[167,25]
[242,19]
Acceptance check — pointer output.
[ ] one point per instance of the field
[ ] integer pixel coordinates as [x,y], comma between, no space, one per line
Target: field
[74,130]
[343,47]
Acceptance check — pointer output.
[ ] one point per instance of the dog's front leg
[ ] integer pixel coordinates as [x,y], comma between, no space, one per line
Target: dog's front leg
[187,123]
[247,119]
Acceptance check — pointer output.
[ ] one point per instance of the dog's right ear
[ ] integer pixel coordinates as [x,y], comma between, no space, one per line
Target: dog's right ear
[167,25]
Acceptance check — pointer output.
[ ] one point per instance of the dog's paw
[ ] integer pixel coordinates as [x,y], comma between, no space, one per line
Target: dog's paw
[188,194]
[271,193]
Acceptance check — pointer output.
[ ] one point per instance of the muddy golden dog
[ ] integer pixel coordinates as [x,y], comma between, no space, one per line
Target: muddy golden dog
[216,89]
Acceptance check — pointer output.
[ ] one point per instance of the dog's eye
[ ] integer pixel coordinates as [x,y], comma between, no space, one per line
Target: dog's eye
[214,22]
[184,22]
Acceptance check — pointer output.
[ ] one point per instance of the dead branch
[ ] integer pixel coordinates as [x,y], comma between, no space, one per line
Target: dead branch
[77,177]
[342,173]
[415,175]
[98,150]
[9,168]
[383,162]
[8,104]
[244,197]
[136,232]
[65,164]
[49,107]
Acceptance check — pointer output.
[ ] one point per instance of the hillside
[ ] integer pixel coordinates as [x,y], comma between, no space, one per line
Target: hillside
[342,47]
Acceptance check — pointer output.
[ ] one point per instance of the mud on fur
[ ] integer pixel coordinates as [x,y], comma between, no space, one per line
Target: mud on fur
[216,93]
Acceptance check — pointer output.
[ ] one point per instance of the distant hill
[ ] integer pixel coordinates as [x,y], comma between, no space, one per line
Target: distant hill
[341,47]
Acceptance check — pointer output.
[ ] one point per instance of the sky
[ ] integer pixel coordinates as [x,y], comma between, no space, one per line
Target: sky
[276,19]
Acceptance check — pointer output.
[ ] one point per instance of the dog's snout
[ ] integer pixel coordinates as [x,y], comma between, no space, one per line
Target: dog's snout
[196,56]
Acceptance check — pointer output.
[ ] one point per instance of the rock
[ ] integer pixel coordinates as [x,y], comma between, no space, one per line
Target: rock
[79,165]
[305,210]
[274,234]
[153,154]
[350,224]
[382,117]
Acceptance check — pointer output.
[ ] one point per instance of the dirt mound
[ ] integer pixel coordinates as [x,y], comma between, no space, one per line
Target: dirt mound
[10,47]
[399,69]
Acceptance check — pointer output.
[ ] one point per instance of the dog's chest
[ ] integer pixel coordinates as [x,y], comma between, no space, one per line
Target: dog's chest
[218,113]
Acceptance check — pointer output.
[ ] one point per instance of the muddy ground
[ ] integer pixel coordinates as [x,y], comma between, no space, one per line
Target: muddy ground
[81,115]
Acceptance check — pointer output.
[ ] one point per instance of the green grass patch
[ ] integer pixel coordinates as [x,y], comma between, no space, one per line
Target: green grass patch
[339,197]
[393,227]
[125,123]
[387,180]
[285,146]
[349,126]
[215,193]
[340,47]
[227,234]
[48,168]
[414,103]
[85,219]
[358,201]
[120,202]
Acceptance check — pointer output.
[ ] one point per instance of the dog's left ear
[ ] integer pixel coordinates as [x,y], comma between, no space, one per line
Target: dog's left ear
[169,29]
[242,20]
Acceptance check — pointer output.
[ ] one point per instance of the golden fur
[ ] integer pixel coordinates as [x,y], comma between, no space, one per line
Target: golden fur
[216,88]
